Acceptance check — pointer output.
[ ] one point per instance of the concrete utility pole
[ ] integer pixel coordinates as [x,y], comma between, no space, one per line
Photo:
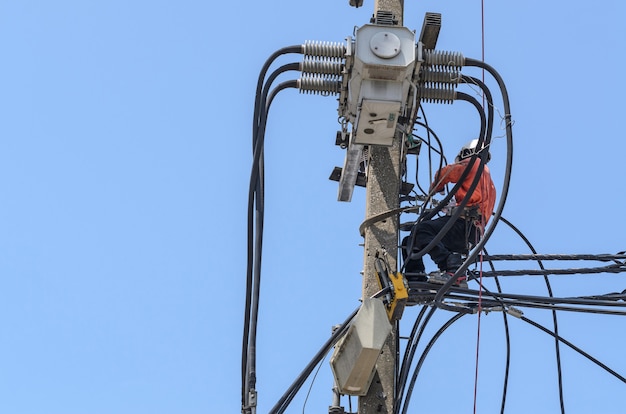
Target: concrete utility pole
[382,193]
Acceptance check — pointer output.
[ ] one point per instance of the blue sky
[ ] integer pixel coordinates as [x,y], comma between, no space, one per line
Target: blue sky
[126,152]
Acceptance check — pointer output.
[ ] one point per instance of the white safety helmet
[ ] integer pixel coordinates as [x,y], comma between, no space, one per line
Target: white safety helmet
[468,150]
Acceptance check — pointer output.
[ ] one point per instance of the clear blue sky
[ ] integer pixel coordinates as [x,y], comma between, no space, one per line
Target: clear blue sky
[125,130]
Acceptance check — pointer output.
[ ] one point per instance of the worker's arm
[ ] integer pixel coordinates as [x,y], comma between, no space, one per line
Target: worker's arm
[448,174]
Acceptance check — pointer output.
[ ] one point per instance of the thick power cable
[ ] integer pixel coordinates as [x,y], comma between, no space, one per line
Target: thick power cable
[410,345]
[486,127]
[506,181]
[571,271]
[259,106]
[254,250]
[508,351]
[427,349]
[409,354]
[484,141]
[482,156]
[569,257]
[541,302]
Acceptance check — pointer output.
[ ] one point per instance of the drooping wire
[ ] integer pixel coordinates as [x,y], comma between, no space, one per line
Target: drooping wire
[427,349]
[554,317]
[575,348]
[291,392]
[508,342]
[479,304]
[308,393]
[409,353]
[255,231]
[255,234]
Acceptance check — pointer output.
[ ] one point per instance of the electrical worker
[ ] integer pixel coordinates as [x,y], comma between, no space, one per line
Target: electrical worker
[466,230]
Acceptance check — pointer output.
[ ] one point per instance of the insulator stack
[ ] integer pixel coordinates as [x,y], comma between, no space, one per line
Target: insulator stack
[432,76]
[322,66]
[324,49]
[319,85]
[442,59]
[437,95]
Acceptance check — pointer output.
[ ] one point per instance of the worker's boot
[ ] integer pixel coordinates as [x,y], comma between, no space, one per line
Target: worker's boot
[453,263]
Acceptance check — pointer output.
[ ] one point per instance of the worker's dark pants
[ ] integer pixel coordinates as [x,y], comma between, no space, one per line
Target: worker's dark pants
[455,240]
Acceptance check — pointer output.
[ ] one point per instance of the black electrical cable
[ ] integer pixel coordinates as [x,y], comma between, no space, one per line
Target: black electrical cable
[508,350]
[428,134]
[416,333]
[540,302]
[507,337]
[259,105]
[506,181]
[575,348]
[254,250]
[483,129]
[291,392]
[483,118]
[430,344]
[569,257]
[486,127]
[554,317]
[484,141]
[580,301]
[540,305]
[457,213]
[409,345]
[572,271]
[488,97]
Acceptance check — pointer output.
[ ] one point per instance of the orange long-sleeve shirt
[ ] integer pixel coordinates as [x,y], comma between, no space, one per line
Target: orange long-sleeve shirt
[483,196]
